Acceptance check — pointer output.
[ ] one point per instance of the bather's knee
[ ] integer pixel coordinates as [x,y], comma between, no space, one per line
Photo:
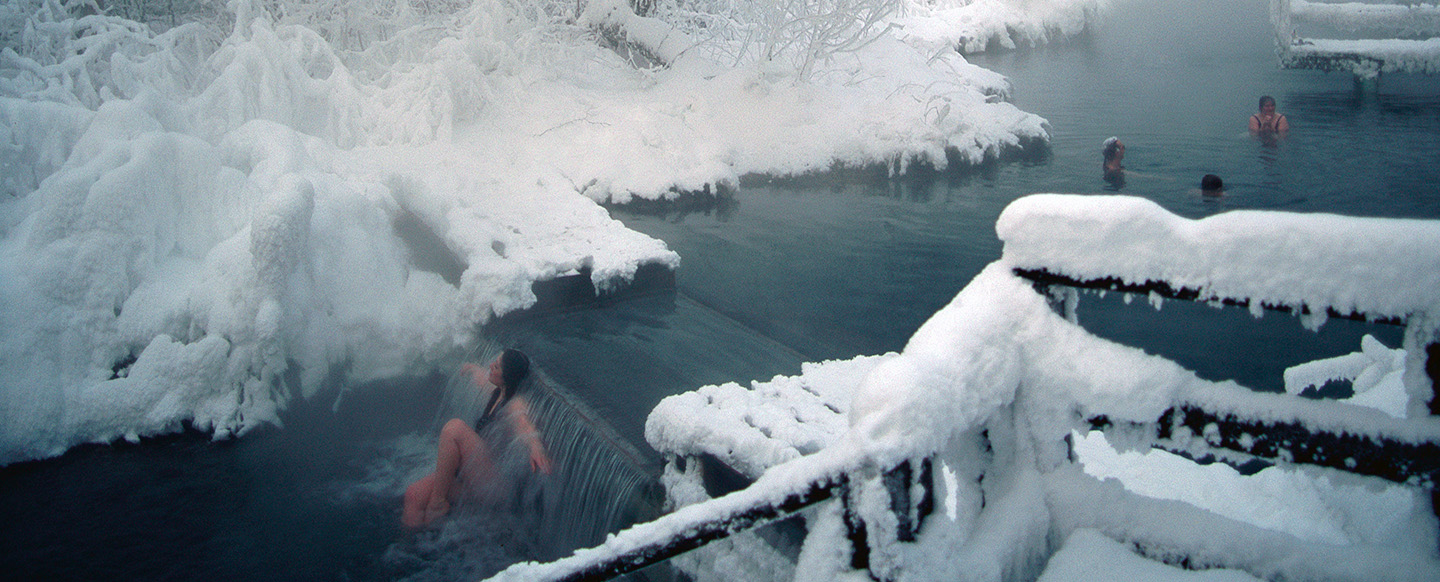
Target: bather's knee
[454,428]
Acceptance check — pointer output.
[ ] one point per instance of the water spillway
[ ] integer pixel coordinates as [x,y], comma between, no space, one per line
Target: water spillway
[997,391]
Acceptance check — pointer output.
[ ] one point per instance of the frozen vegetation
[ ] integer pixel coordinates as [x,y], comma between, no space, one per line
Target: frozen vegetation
[1365,39]
[209,211]
[998,387]
[209,208]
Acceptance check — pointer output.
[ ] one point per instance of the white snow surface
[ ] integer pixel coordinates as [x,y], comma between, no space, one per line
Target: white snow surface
[1376,373]
[1286,500]
[1399,19]
[1380,267]
[1371,38]
[1375,56]
[1089,556]
[974,26]
[994,383]
[769,423]
[198,221]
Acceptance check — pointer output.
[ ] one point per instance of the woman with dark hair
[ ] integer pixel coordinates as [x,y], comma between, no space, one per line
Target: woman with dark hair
[466,454]
[1267,121]
[1113,152]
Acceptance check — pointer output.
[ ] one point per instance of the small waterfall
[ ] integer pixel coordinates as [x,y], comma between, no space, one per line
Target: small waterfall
[600,482]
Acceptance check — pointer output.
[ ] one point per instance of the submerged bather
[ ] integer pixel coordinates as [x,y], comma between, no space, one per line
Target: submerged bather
[1267,122]
[466,465]
[1112,165]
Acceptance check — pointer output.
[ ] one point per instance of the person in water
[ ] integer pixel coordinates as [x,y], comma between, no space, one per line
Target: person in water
[1267,122]
[467,454]
[1113,152]
[1212,185]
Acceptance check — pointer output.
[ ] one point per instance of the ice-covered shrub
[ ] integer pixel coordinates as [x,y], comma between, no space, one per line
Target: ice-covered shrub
[62,54]
[798,35]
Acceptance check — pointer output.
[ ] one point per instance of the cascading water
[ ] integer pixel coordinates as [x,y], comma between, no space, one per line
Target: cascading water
[599,484]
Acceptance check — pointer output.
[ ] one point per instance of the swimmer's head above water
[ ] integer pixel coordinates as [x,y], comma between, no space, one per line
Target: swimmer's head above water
[1112,148]
[1212,185]
[507,370]
[1113,151]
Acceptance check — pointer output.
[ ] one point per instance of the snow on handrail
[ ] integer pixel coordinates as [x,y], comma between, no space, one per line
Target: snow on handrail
[1380,267]
[1390,20]
[1402,46]
[987,393]
[1164,290]
[803,483]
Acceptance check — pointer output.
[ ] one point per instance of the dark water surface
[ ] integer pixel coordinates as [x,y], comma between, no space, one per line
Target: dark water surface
[773,276]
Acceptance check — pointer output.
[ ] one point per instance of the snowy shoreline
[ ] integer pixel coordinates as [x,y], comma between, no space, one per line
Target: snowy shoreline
[199,221]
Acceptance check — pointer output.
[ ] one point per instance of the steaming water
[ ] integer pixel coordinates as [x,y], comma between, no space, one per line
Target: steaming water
[774,276]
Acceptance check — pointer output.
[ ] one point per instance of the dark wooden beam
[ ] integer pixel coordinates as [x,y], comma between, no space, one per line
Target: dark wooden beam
[705,532]
[1414,464]
[1045,277]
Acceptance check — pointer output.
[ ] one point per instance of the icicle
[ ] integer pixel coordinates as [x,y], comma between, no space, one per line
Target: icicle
[1315,319]
[1072,301]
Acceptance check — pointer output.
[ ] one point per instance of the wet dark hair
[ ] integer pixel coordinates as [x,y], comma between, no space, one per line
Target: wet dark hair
[1266,99]
[1110,148]
[514,367]
[1211,183]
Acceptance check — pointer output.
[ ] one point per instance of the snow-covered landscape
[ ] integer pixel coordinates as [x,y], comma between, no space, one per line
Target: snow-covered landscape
[208,215]
[197,225]
[998,389]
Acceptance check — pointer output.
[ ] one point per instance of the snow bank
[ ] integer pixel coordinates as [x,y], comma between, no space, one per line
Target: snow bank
[200,219]
[1089,556]
[975,26]
[1312,508]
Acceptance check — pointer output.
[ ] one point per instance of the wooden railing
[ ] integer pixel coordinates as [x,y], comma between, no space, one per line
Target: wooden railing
[1410,33]
[1402,451]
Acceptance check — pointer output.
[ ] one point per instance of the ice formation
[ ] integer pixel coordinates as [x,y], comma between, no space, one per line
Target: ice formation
[996,389]
[1365,39]
[1376,374]
[974,26]
[200,212]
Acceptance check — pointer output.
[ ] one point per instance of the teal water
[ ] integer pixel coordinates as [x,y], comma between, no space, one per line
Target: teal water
[775,275]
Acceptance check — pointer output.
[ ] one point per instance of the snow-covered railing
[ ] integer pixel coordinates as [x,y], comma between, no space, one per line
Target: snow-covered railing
[1365,448]
[1401,37]
[957,458]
